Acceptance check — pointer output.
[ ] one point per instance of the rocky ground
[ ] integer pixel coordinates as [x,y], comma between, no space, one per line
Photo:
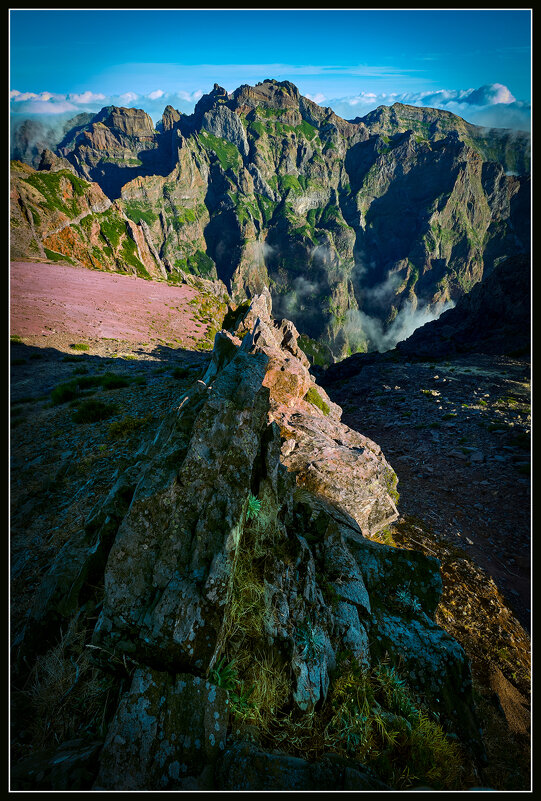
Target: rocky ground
[458,436]
[59,467]
[61,305]
[70,324]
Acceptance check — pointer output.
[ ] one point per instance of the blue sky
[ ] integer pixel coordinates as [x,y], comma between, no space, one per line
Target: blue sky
[475,63]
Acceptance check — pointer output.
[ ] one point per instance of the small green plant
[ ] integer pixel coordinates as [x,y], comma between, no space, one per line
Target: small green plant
[113,381]
[253,507]
[120,429]
[310,640]
[181,372]
[92,411]
[449,416]
[391,482]
[313,397]
[406,601]
[80,346]
[240,700]
[64,392]
[224,675]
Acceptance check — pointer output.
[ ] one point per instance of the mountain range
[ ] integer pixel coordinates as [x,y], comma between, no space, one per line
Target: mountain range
[362,230]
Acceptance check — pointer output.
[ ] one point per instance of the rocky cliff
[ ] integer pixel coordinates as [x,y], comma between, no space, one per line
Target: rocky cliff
[494,318]
[256,637]
[358,228]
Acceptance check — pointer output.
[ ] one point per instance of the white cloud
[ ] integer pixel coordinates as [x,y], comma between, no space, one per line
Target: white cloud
[318,98]
[128,97]
[46,107]
[190,97]
[21,97]
[492,105]
[86,97]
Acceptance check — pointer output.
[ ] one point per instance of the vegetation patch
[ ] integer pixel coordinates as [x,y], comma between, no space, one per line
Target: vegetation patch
[317,352]
[111,228]
[92,411]
[391,482]
[67,694]
[52,255]
[71,390]
[182,372]
[378,720]
[137,210]
[49,185]
[227,153]
[121,429]
[128,253]
[288,183]
[313,397]
[307,130]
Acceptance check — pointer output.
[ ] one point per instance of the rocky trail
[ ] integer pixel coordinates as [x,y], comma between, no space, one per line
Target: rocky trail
[458,435]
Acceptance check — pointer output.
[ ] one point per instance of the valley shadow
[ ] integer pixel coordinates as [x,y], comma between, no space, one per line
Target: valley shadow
[35,371]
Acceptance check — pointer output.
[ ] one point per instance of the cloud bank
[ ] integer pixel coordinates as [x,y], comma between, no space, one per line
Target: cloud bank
[50,103]
[492,105]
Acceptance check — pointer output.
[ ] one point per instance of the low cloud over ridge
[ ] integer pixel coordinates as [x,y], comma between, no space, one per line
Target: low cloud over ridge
[492,105]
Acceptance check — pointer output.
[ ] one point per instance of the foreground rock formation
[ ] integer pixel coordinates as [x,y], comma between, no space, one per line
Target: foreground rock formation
[402,210]
[244,606]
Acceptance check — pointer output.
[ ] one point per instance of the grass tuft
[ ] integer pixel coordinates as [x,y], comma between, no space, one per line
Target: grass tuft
[92,411]
[313,397]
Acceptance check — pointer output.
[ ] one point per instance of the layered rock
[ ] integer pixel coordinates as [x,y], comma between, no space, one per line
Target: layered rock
[239,536]
[57,216]
[117,144]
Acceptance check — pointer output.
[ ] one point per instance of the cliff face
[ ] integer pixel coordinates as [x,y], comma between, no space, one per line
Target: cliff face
[116,145]
[57,216]
[239,588]
[351,224]
[494,318]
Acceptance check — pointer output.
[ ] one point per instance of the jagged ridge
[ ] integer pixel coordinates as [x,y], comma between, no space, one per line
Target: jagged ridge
[197,573]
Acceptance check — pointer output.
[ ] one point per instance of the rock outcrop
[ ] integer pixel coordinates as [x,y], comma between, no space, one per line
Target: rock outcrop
[240,588]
